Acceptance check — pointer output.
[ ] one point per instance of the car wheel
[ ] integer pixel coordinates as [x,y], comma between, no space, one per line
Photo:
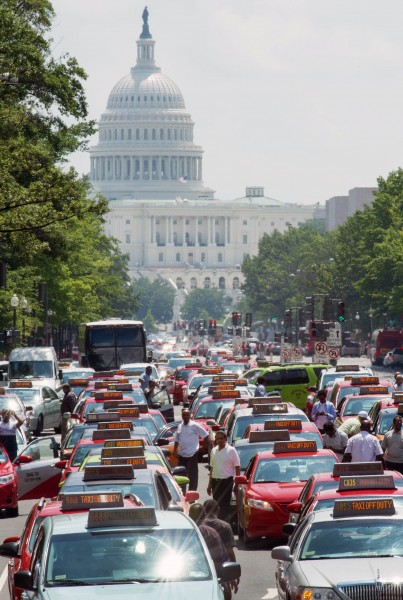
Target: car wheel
[39,426]
[12,512]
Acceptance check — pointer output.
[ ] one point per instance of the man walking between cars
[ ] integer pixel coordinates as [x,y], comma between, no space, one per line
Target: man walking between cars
[224,465]
[363,447]
[67,406]
[186,446]
[392,445]
[322,411]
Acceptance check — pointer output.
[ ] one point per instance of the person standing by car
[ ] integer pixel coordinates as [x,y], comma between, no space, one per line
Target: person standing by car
[260,390]
[333,439]
[67,406]
[392,446]
[186,446]
[8,432]
[322,411]
[363,447]
[224,465]
[145,378]
[399,382]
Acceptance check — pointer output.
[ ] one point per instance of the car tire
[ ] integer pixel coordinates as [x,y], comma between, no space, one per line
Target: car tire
[12,512]
[39,426]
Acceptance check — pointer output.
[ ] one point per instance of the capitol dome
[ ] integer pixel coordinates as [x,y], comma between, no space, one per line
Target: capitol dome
[145,149]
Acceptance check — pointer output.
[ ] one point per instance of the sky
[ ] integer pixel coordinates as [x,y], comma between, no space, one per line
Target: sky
[303,97]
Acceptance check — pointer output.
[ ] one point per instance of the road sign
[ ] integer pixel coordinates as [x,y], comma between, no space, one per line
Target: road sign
[334,337]
[296,352]
[285,354]
[320,348]
[334,353]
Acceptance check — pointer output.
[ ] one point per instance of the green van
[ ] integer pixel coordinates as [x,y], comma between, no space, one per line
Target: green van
[291,380]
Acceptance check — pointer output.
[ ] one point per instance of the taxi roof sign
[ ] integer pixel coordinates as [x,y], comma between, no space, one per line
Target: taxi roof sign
[115,425]
[358,468]
[374,389]
[125,451]
[285,447]
[132,411]
[365,380]
[108,395]
[269,409]
[226,394]
[211,370]
[293,424]
[341,368]
[114,404]
[137,462]
[400,409]
[110,434]
[79,382]
[357,508]
[265,400]
[102,416]
[398,396]
[20,384]
[80,501]
[121,387]
[99,385]
[103,472]
[2,391]
[104,374]
[268,436]
[124,443]
[142,516]
[366,482]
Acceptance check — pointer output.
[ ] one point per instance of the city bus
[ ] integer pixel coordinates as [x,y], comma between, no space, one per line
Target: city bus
[107,344]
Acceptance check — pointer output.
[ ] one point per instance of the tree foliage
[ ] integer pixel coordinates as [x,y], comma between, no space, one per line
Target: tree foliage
[204,303]
[157,296]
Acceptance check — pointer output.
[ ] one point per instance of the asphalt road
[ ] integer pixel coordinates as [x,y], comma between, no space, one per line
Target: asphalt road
[258,568]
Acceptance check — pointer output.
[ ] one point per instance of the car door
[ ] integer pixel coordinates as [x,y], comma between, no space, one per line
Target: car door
[39,477]
[52,403]
[166,409]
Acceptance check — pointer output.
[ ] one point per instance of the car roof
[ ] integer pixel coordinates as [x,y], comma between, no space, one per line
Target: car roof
[319,452]
[140,476]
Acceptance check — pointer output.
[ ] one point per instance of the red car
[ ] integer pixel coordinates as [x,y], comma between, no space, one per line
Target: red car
[272,481]
[350,385]
[180,380]
[352,404]
[19,549]
[8,485]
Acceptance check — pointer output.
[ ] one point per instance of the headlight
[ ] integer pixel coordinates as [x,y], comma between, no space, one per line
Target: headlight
[260,504]
[316,593]
[6,479]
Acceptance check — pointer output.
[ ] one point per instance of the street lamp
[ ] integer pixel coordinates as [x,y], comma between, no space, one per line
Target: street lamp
[357,316]
[14,305]
[371,314]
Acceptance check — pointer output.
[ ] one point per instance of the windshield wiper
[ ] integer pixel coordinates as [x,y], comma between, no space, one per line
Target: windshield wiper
[69,582]
[136,580]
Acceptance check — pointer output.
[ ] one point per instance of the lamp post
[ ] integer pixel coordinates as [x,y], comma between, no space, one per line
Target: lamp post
[24,309]
[371,314]
[14,305]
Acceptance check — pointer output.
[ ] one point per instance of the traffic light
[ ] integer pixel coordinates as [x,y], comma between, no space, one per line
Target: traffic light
[236,318]
[301,317]
[248,320]
[287,319]
[230,330]
[327,308]
[314,330]
[238,331]
[310,307]
[340,312]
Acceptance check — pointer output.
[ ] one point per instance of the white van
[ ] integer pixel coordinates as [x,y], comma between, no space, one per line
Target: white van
[38,365]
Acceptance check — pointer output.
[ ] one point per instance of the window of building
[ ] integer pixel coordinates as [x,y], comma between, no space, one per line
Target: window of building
[203,257]
[161,134]
[174,221]
[137,134]
[127,221]
[216,221]
[193,283]
[178,257]
[207,283]
[157,221]
[169,134]
[199,221]
[122,134]
[146,134]
[127,238]
[187,221]
[245,239]
[129,134]
[219,257]
[175,134]
[154,134]
[235,283]
[115,136]
[161,257]
[244,222]
[221,283]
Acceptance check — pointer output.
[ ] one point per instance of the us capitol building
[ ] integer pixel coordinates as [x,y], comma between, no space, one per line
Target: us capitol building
[149,167]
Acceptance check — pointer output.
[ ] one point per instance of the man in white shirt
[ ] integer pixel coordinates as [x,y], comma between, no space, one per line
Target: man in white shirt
[186,446]
[399,382]
[224,465]
[333,439]
[363,447]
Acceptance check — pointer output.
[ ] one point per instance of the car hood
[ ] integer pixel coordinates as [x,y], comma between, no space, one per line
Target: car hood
[278,492]
[339,572]
[197,590]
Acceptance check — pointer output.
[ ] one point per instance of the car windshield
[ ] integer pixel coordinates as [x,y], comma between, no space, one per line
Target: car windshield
[236,368]
[183,374]
[359,538]
[79,374]
[144,556]
[350,389]
[354,405]
[243,421]
[148,424]
[3,456]
[386,423]
[28,395]
[291,468]
[207,410]
[79,454]
[199,380]
[22,369]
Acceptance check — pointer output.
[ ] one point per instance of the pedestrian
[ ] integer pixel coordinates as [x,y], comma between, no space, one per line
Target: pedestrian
[67,406]
[151,391]
[392,446]
[363,447]
[224,465]
[8,432]
[186,446]
[260,390]
[399,382]
[333,439]
[322,411]
[145,378]
[353,426]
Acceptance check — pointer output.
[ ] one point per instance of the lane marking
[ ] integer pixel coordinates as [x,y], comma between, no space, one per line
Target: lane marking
[3,578]
[271,594]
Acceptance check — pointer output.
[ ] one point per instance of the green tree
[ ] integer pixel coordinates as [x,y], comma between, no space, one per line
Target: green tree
[149,322]
[157,296]
[201,302]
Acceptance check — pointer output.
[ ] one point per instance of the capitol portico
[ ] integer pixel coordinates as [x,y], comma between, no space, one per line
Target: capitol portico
[147,164]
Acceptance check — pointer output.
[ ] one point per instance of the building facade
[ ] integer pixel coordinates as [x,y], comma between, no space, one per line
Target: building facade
[339,208]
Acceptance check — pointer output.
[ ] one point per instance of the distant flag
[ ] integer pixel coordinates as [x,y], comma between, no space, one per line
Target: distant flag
[184,179]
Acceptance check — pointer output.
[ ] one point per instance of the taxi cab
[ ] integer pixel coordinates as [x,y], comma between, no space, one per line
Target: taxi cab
[329,375]
[272,481]
[42,405]
[363,399]
[8,485]
[115,549]
[19,548]
[384,421]
[349,385]
[181,378]
[354,550]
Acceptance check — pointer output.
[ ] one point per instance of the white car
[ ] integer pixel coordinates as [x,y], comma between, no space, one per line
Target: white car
[42,405]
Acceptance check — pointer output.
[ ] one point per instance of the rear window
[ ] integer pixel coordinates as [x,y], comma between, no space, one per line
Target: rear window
[272,378]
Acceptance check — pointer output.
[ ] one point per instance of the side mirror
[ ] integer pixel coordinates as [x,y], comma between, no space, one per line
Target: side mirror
[156,405]
[192,496]
[163,442]
[13,538]
[74,416]
[23,459]
[23,579]
[215,427]
[229,571]
[175,507]
[240,480]
[282,553]
[9,549]
[61,464]
[294,507]
[289,528]
[210,422]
